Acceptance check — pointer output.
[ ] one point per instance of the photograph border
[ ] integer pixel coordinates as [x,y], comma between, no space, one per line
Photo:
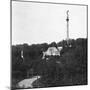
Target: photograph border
[45,3]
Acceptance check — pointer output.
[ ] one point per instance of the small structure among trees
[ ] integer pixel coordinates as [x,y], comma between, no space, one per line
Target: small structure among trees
[52,51]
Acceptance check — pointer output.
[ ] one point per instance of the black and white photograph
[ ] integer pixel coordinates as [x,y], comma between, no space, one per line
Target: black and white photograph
[48,44]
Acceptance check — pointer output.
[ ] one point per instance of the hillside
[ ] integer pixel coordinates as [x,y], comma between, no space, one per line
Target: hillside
[68,69]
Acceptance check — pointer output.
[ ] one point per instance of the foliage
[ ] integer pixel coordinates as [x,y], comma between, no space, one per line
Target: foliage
[68,69]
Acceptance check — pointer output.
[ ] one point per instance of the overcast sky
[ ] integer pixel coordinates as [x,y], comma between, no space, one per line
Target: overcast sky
[34,23]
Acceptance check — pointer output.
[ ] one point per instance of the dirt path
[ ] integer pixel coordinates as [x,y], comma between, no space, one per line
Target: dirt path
[27,83]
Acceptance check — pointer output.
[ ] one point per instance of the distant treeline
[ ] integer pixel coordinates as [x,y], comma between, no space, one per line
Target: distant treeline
[73,63]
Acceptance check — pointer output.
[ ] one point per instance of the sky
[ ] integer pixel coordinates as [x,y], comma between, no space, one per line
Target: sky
[35,23]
